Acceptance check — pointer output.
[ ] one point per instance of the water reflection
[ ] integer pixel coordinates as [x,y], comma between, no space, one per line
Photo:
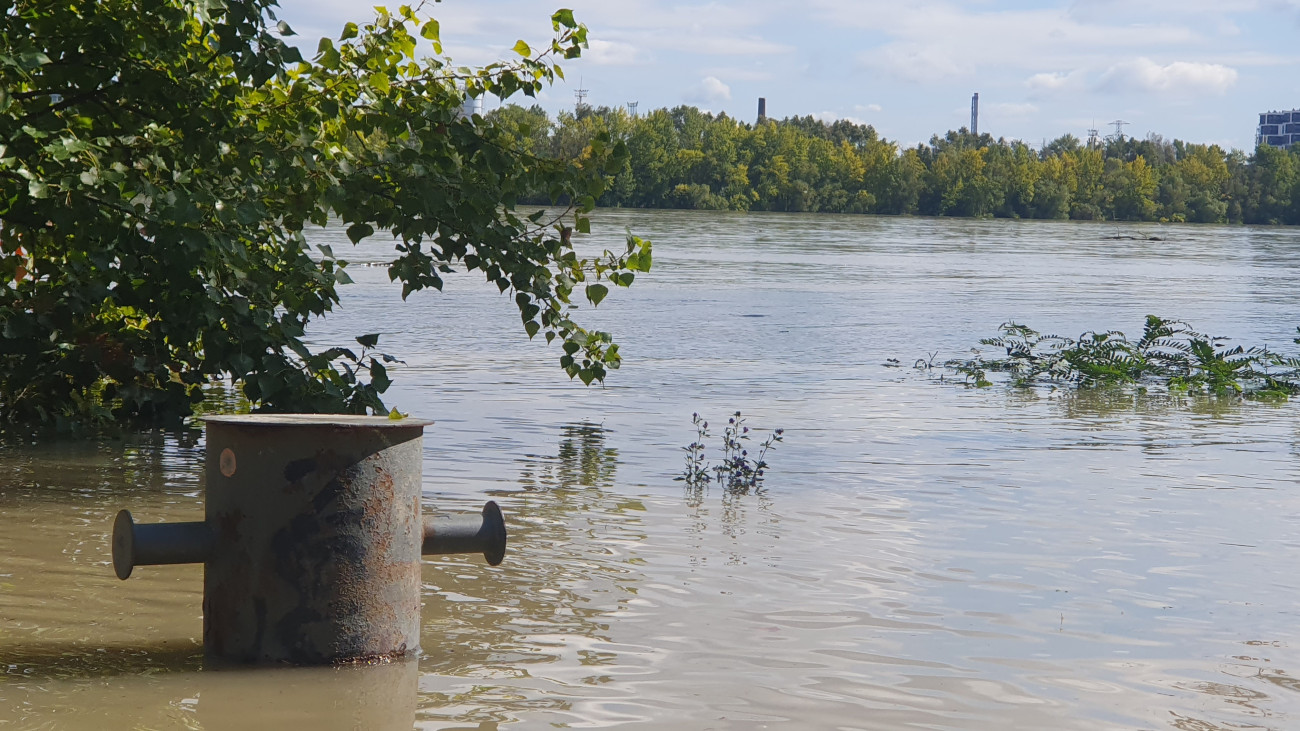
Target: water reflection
[78,470]
[157,687]
[582,460]
[380,697]
[535,633]
[37,663]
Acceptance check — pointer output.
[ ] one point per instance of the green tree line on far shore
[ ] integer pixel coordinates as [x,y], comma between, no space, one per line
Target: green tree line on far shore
[691,159]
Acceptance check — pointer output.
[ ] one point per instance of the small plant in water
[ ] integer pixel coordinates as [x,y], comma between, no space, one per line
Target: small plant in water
[740,472]
[697,469]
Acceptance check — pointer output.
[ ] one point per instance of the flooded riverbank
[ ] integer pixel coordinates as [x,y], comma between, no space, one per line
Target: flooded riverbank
[923,556]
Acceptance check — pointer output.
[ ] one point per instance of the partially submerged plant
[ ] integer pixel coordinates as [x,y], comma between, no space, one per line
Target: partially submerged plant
[697,468]
[739,472]
[1170,354]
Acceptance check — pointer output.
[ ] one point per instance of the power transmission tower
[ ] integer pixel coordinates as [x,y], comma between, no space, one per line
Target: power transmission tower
[1119,129]
[631,108]
[580,97]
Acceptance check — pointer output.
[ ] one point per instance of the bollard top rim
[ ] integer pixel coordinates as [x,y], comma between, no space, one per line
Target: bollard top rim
[328,420]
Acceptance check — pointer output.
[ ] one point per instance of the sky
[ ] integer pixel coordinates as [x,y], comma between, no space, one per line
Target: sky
[1198,70]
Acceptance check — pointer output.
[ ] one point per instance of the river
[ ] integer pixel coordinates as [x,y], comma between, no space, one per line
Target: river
[922,555]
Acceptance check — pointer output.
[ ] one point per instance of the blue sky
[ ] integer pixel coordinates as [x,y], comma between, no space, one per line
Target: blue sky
[1198,70]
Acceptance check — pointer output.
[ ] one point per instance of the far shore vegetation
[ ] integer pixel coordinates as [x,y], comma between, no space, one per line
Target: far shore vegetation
[686,158]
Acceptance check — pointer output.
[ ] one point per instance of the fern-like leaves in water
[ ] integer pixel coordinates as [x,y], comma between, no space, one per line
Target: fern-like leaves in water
[1170,352]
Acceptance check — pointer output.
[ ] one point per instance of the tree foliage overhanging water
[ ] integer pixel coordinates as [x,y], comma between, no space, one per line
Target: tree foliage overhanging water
[159,160]
[688,158]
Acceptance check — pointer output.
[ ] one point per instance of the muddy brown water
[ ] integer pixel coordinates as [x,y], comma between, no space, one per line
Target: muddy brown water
[923,556]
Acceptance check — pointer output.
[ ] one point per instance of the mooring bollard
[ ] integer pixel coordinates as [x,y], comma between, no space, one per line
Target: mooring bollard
[312,538]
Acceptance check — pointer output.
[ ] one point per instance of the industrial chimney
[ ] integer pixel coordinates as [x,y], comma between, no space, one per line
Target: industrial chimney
[762,109]
[975,114]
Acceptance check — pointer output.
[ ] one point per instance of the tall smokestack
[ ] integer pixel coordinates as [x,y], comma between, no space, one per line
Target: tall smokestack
[975,114]
[762,108]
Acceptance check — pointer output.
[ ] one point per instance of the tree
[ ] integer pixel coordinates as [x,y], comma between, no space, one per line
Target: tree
[159,160]
[1275,179]
[1133,184]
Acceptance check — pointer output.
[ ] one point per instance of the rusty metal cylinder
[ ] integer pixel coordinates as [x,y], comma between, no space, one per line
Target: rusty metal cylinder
[316,538]
[312,538]
[484,534]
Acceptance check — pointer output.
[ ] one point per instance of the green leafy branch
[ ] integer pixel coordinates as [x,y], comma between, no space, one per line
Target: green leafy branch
[158,168]
[1170,353]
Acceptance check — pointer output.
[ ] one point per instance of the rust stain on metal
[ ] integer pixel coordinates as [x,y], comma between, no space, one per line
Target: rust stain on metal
[384,658]
[227,461]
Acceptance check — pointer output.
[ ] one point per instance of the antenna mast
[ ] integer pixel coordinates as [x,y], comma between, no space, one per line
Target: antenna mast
[580,97]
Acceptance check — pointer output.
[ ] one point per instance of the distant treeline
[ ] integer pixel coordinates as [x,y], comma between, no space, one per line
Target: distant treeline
[686,158]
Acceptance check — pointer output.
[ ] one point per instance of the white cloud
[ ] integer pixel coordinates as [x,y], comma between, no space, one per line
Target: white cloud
[1046,83]
[1010,110]
[710,90]
[832,117]
[930,41]
[868,108]
[1145,75]
[918,64]
[740,73]
[612,53]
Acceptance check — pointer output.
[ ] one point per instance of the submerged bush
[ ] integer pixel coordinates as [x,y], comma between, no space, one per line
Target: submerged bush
[1170,354]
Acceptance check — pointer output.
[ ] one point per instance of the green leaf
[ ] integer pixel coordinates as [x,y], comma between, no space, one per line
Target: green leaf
[582,224]
[349,32]
[32,60]
[369,340]
[358,231]
[430,30]
[596,293]
[379,82]
[564,17]
[18,327]
[522,49]
[327,55]
[396,415]
[379,376]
